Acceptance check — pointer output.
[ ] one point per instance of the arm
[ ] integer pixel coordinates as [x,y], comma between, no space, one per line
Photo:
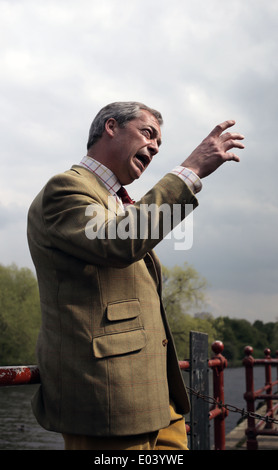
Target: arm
[70,223]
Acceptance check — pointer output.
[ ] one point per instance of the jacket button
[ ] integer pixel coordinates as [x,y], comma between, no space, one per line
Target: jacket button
[164,342]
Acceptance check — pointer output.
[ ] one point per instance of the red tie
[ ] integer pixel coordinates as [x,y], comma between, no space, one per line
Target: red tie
[123,194]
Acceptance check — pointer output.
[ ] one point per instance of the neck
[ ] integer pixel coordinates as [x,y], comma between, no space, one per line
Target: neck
[100,152]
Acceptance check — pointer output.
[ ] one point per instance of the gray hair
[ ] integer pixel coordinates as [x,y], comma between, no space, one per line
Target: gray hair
[123,112]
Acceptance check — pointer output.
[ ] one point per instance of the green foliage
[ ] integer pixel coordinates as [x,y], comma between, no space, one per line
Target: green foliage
[184,296]
[19,315]
[238,333]
[184,293]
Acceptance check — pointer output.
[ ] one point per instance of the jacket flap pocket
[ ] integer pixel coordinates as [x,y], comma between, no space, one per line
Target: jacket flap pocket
[119,343]
[123,310]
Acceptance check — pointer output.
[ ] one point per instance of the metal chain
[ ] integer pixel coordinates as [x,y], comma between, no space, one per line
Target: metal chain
[243,412]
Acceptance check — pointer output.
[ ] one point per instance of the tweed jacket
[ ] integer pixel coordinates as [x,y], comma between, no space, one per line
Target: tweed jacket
[106,356]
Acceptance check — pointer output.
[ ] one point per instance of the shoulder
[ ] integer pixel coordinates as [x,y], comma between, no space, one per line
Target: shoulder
[76,180]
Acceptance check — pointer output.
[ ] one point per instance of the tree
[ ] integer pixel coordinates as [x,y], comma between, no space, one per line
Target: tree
[183,286]
[19,315]
[183,295]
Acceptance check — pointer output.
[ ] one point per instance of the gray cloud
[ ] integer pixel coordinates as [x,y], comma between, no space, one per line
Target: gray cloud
[198,62]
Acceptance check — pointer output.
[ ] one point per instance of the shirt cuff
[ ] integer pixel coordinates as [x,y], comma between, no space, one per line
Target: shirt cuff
[189,177]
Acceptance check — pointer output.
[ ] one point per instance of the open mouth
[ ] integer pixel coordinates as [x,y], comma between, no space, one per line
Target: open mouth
[143,161]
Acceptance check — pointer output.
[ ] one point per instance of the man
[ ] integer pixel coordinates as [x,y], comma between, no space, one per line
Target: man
[109,373]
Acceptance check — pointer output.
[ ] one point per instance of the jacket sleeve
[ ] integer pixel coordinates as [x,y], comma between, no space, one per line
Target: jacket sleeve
[78,220]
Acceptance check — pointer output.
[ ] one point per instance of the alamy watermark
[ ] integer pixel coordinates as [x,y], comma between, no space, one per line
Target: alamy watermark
[149,221]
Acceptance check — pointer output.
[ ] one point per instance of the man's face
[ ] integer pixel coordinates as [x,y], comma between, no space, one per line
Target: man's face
[134,147]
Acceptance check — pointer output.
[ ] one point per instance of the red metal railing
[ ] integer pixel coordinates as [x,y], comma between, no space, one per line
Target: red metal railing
[19,375]
[218,363]
[264,393]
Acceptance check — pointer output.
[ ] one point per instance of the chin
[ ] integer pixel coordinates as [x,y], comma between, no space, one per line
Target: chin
[126,181]
[131,180]
[133,177]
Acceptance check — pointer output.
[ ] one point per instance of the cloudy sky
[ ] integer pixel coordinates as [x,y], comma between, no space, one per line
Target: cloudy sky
[199,63]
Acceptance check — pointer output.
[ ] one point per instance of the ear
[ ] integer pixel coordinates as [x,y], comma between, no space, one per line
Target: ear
[111,126]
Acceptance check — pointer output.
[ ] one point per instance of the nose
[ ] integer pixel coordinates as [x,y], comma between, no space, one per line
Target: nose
[153,147]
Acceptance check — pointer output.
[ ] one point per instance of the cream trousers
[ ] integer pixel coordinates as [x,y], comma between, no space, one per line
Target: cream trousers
[173,437]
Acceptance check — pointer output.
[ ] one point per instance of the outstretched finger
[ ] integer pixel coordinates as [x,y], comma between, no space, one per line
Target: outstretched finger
[217,131]
[231,136]
[229,144]
[231,157]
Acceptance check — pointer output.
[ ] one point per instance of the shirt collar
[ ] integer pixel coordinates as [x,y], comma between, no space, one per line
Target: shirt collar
[105,174]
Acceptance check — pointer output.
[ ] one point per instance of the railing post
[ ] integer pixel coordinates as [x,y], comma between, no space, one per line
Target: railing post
[249,396]
[218,390]
[276,354]
[268,383]
[199,380]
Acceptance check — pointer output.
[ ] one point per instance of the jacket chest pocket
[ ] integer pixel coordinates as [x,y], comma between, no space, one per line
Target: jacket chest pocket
[123,330]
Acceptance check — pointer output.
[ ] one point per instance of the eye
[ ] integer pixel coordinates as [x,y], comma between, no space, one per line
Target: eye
[147,133]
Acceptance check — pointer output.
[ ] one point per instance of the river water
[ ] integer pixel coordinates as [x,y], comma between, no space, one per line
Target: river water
[20,431]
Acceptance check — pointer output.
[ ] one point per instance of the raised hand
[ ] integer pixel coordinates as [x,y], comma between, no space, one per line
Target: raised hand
[213,151]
